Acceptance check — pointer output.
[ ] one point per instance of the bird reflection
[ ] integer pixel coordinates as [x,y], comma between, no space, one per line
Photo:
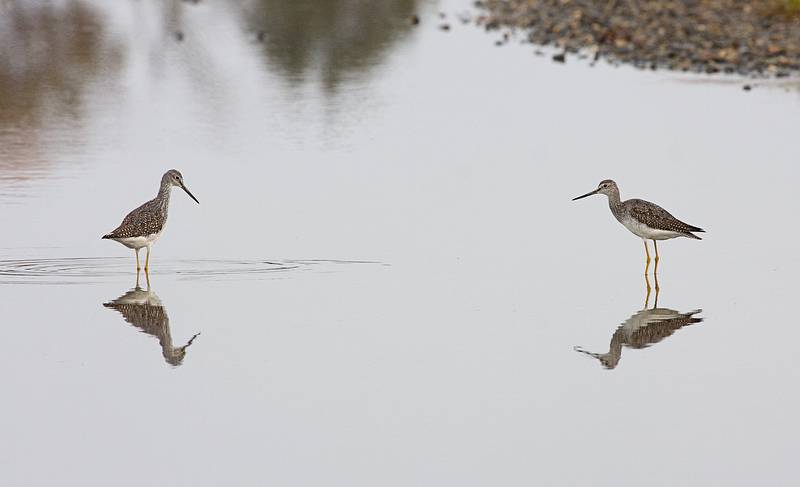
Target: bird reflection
[644,328]
[144,310]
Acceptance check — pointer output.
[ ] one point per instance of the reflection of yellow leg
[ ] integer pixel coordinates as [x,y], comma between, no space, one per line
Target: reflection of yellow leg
[647,263]
[147,261]
[137,279]
[136,251]
[647,298]
[655,267]
[147,278]
[655,303]
[658,288]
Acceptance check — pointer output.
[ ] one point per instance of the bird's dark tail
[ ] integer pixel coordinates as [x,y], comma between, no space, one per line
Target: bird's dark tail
[693,228]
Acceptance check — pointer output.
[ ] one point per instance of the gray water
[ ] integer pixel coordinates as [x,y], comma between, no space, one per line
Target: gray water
[386,272]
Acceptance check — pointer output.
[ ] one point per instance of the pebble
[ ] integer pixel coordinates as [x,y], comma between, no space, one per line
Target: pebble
[709,36]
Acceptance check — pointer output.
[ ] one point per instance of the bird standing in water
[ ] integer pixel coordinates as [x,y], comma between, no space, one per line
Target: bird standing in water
[644,219]
[142,227]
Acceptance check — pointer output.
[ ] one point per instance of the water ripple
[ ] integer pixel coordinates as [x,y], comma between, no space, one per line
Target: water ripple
[74,270]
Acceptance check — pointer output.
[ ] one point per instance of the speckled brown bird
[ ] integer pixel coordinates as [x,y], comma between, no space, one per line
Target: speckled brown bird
[646,220]
[143,226]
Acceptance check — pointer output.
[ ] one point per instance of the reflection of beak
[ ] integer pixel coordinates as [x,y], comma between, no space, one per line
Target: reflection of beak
[579,197]
[189,193]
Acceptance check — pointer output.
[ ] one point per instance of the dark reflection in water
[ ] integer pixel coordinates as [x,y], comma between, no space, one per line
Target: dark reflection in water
[642,329]
[339,38]
[66,64]
[144,310]
[48,54]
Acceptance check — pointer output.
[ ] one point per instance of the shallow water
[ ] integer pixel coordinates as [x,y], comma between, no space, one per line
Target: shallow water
[386,272]
[82,270]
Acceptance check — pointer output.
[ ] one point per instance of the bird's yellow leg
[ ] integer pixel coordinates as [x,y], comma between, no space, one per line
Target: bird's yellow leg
[647,262]
[647,297]
[147,261]
[136,251]
[147,278]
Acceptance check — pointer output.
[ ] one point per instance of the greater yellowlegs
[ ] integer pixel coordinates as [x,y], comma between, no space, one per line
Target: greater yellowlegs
[142,227]
[644,219]
[144,310]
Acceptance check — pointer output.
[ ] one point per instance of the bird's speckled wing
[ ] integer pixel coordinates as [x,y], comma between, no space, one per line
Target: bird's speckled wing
[145,220]
[656,217]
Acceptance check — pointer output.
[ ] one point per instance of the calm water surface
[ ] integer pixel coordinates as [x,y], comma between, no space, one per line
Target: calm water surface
[390,283]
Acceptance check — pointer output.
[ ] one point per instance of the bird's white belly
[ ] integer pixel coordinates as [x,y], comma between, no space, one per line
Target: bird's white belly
[139,242]
[643,231]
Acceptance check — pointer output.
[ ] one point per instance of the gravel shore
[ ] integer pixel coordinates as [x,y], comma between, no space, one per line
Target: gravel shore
[709,36]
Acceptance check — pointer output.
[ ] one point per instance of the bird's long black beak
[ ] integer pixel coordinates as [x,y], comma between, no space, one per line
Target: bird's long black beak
[189,193]
[587,194]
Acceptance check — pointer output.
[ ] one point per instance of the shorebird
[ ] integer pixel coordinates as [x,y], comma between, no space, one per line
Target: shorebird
[646,220]
[142,227]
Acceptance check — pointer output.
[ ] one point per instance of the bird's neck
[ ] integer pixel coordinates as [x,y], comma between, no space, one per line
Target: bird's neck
[163,194]
[613,200]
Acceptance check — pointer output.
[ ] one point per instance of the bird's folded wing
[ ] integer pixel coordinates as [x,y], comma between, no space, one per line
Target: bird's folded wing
[656,217]
[145,220]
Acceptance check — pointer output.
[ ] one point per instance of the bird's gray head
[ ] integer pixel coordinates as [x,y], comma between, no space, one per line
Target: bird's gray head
[606,187]
[173,177]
